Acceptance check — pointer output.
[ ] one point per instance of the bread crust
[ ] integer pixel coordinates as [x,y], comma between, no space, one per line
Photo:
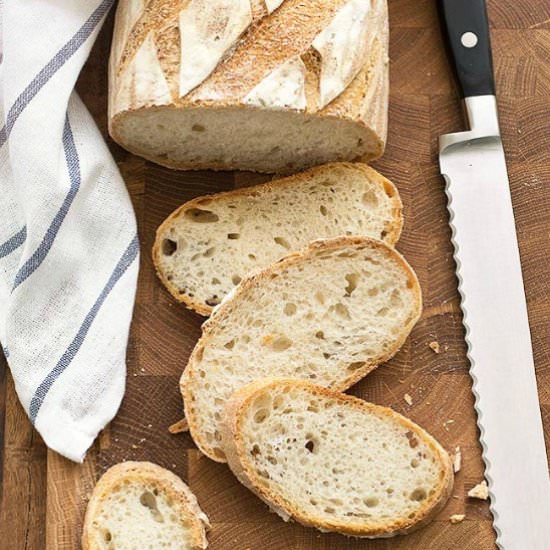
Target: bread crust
[237,459]
[226,307]
[270,41]
[393,229]
[146,472]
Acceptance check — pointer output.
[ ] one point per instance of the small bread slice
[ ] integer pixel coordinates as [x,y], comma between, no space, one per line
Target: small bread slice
[329,314]
[204,248]
[333,461]
[141,505]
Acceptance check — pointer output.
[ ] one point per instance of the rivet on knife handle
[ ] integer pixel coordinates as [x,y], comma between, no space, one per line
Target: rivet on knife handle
[466,30]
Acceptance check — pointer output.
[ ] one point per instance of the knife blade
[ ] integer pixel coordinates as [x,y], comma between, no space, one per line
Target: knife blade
[493,301]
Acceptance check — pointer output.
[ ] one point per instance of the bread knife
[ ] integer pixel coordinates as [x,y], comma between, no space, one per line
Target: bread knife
[491,287]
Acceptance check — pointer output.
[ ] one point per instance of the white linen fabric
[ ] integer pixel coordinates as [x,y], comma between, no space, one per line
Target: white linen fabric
[68,242]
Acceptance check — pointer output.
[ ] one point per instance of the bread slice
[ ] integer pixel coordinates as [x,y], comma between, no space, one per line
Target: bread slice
[330,313]
[268,86]
[204,248]
[141,505]
[333,461]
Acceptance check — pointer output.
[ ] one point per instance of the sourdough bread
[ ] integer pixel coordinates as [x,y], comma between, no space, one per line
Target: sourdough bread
[204,248]
[263,85]
[330,313]
[333,461]
[141,505]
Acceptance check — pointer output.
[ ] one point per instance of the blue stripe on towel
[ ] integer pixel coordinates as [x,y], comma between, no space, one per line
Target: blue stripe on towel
[73,167]
[14,242]
[125,261]
[57,61]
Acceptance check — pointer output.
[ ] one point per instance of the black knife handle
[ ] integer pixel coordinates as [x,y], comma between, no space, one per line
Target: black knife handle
[466,30]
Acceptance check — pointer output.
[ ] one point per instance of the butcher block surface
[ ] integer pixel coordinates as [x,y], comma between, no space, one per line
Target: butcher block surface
[44,496]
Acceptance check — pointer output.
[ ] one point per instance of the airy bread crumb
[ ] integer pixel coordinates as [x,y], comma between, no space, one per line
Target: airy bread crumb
[457,460]
[457,518]
[480,491]
[435,346]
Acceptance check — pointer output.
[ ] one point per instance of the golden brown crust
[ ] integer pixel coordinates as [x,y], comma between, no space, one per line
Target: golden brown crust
[225,309]
[393,229]
[238,461]
[146,472]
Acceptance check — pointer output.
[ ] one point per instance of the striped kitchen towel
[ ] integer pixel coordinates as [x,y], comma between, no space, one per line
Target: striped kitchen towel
[68,243]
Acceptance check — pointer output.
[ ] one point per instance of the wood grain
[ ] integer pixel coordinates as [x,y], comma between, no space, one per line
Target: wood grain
[44,496]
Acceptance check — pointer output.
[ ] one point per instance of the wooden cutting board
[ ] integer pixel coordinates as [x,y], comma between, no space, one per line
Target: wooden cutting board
[44,496]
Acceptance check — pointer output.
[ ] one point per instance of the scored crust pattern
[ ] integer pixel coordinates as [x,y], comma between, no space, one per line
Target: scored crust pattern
[256,52]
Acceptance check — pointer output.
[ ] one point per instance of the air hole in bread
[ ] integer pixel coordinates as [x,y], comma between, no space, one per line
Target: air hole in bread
[419,495]
[371,502]
[341,310]
[281,343]
[107,537]
[230,344]
[214,301]
[356,365]
[352,279]
[261,415]
[198,128]
[149,500]
[327,355]
[236,279]
[372,292]
[201,216]
[272,460]
[319,296]
[382,312]
[289,309]
[209,252]
[370,199]
[323,210]
[383,234]
[282,242]
[233,236]
[215,281]
[415,462]
[278,402]
[169,277]
[312,444]
[320,335]
[169,247]
[255,451]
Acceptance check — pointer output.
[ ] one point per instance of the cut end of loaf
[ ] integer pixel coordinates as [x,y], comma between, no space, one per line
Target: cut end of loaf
[333,461]
[228,138]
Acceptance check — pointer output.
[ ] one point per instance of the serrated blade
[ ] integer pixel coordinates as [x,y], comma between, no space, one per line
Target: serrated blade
[498,336]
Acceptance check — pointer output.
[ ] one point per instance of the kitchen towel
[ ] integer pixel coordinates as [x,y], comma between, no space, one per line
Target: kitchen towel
[68,242]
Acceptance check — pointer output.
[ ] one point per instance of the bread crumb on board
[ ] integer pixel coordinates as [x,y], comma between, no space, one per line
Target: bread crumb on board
[457,460]
[179,427]
[480,491]
[408,399]
[435,346]
[457,518]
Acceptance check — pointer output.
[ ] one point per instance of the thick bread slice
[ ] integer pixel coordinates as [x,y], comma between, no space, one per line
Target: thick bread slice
[141,505]
[204,248]
[263,85]
[330,313]
[333,461]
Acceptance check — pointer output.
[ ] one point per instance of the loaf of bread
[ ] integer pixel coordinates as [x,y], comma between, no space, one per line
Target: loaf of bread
[330,313]
[204,248]
[333,461]
[141,505]
[264,85]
